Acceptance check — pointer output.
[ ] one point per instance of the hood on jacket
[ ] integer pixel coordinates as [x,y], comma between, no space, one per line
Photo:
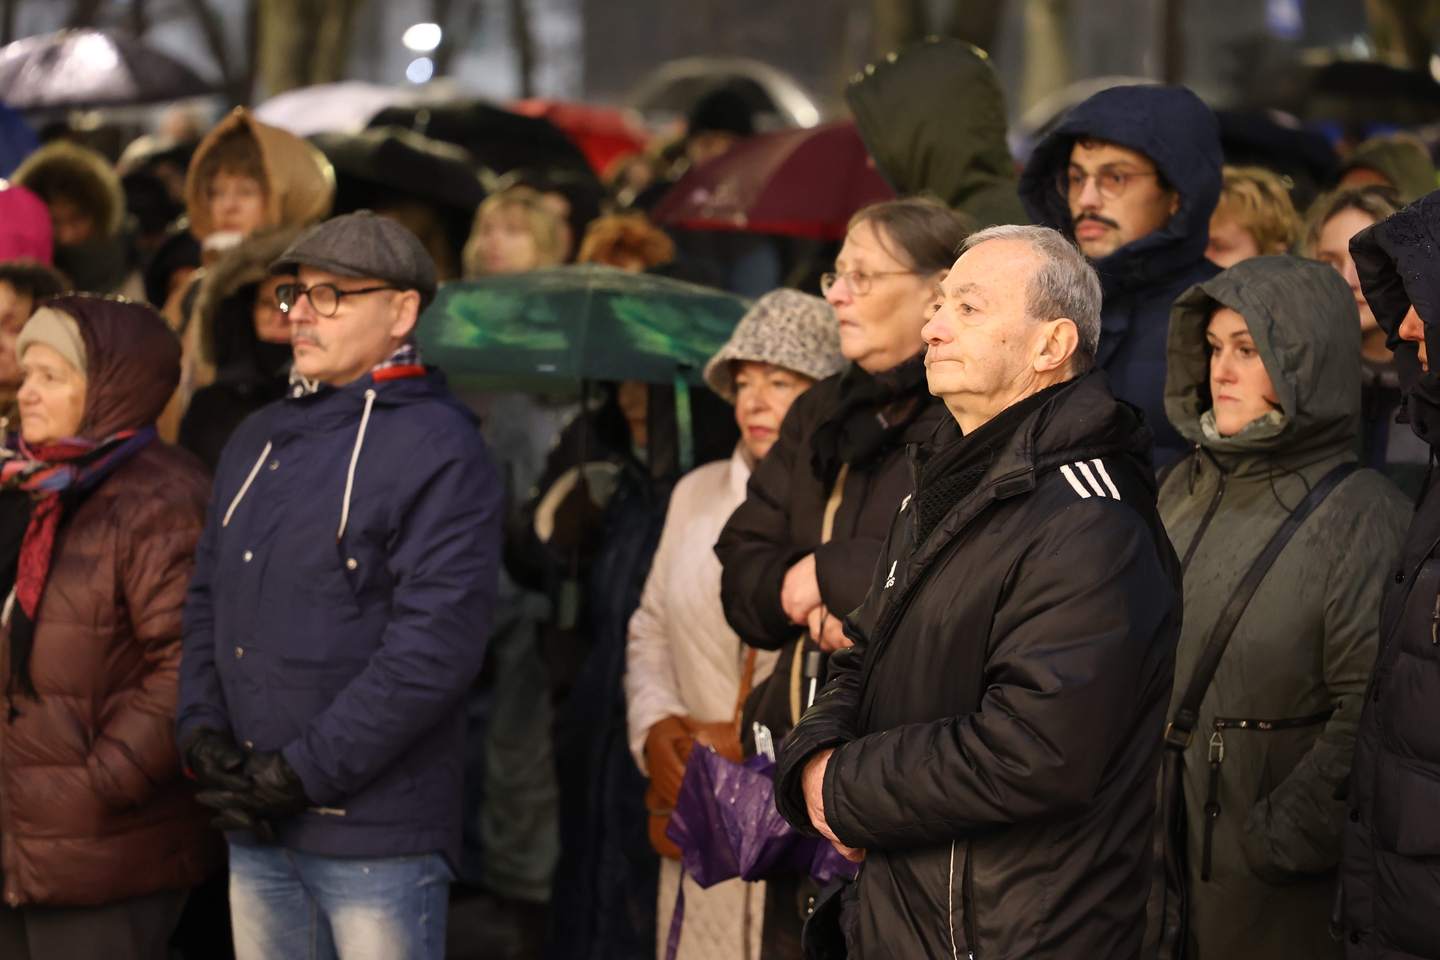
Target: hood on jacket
[300,183]
[1401,159]
[1396,262]
[1303,319]
[132,363]
[243,266]
[1172,127]
[933,118]
[83,176]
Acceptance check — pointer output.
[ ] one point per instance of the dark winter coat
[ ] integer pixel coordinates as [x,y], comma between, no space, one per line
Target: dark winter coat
[96,808]
[997,724]
[350,650]
[1387,906]
[905,108]
[1141,280]
[1302,652]
[779,522]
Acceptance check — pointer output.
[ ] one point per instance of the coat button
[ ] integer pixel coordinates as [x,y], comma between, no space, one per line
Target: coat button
[249,745]
[239,652]
[274,464]
[1354,938]
[1354,816]
[248,556]
[351,564]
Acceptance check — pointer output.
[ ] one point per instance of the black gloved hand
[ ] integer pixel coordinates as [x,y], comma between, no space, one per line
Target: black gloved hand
[215,760]
[271,793]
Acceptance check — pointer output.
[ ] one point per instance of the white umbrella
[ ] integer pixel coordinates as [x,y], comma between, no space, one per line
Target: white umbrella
[90,68]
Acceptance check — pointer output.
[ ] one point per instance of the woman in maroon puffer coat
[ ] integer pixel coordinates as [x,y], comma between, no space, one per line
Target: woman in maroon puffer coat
[102,837]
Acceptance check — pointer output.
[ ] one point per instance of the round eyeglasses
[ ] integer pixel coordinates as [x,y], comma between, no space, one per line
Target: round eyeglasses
[859,283]
[324,297]
[1111,183]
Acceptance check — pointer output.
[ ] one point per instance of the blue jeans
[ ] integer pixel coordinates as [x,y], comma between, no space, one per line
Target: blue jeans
[288,905]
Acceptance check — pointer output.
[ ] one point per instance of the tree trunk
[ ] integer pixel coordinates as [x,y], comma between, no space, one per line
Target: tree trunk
[1047,54]
[524,45]
[896,23]
[1404,30]
[302,42]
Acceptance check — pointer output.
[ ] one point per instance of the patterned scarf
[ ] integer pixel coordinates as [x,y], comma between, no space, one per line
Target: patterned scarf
[54,475]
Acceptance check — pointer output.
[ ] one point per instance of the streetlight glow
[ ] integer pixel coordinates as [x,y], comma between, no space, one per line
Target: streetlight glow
[421,69]
[422,37]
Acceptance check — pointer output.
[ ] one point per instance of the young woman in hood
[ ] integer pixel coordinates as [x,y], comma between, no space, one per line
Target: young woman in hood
[1264,376]
[245,175]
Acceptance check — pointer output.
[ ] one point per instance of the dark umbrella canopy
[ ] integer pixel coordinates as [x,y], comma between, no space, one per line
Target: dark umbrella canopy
[497,139]
[800,183]
[394,158]
[82,68]
[1358,92]
[578,322]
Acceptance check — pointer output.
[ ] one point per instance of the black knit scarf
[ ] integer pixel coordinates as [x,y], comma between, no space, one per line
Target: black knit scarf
[873,412]
[954,470]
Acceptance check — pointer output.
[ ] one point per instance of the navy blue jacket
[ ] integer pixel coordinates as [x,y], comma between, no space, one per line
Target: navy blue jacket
[1142,279]
[349,651]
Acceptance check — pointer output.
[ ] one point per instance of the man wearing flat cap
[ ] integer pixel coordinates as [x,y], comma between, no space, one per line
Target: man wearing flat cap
[342,594]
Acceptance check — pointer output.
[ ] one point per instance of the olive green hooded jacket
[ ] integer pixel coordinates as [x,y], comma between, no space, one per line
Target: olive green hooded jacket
[933,118]
[1307,640]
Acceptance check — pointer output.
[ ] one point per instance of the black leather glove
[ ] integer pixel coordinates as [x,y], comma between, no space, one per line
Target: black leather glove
[271,793]
[215,760]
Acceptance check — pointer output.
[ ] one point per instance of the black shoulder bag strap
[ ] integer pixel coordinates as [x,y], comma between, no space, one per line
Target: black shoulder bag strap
[1181,728]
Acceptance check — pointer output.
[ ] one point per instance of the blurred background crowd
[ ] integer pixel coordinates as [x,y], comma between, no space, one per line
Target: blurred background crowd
[169,151]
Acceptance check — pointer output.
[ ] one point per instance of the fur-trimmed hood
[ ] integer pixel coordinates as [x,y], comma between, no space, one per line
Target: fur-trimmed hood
[81,174]
[245,264]
[301,182]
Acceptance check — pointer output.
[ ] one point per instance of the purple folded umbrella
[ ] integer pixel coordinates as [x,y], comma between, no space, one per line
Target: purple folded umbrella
[726,825]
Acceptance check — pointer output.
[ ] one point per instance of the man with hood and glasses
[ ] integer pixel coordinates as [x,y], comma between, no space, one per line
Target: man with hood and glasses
[1132,176]
[1387,902]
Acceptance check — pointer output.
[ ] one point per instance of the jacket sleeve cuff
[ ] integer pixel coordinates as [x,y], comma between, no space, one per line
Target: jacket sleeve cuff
[779,628]
[827,795]
[317,790]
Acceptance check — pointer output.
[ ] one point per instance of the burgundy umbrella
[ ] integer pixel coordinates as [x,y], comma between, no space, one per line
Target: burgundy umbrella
[796,183]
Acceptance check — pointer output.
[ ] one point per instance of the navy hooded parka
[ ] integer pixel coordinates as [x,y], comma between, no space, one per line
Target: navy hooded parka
[349,649]
[1142,279]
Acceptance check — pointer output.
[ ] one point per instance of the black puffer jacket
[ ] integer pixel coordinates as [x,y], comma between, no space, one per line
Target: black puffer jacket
[780,521]
[1387,903]
[998,720]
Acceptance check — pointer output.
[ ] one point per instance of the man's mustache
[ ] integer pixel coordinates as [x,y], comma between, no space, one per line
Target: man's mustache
[1098,219]
[308,334]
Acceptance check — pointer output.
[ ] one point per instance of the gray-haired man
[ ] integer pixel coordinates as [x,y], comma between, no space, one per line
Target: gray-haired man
[990,744]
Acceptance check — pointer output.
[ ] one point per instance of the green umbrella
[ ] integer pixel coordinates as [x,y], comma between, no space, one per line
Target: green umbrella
[577,323]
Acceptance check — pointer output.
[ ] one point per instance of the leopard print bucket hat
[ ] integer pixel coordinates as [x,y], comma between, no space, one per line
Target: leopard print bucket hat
[786,328]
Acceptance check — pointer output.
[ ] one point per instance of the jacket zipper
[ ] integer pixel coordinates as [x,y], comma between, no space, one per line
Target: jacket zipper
[967,901]
[1204,522]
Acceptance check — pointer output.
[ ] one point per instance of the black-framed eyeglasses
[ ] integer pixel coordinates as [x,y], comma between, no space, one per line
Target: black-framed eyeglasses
[1111,183]
[324,297]
[859,283]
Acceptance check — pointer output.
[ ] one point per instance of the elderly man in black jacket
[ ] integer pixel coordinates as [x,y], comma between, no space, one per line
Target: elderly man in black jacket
[990,744]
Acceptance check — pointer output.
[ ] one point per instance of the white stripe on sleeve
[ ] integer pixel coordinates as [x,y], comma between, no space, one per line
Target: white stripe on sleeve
[1090,478]
[1070,475]
[1105,475]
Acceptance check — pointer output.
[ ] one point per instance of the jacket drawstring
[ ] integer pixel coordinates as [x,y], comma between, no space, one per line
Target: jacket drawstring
[246,485]
[354,458]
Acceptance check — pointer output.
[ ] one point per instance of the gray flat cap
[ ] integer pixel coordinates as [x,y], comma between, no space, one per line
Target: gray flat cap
[359,245]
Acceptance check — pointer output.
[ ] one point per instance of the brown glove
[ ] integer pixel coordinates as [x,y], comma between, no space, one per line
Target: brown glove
[667,747]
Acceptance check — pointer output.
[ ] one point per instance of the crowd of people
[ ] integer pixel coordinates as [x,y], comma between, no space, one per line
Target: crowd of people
[1064,535]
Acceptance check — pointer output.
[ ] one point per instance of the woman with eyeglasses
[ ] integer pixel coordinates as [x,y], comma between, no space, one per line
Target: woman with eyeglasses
[798,553]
